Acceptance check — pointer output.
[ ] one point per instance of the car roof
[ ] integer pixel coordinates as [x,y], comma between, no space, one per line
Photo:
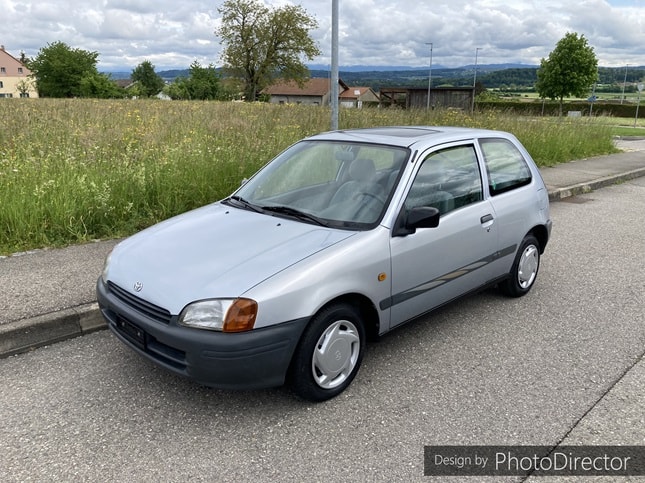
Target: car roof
[407,136]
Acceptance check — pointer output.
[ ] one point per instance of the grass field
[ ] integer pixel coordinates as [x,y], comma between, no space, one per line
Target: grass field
[628,97]
[75,170]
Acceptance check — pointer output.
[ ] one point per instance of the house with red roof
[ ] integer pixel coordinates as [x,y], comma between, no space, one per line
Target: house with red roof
[317,91]
[357,96]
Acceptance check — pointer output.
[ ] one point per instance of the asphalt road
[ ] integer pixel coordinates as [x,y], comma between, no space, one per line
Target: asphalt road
[560,365]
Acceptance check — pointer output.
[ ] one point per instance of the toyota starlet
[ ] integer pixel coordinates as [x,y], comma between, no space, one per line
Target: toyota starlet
[341,238]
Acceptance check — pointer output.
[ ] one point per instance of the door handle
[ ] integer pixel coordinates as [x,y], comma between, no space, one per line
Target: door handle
[486,218]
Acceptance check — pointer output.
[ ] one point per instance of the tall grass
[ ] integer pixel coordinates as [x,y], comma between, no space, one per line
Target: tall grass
[75,170]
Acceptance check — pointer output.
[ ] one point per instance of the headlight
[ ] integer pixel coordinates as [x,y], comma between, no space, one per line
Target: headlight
[106,266]
[226,315]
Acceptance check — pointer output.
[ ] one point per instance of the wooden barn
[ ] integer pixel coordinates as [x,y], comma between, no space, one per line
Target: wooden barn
[417,97]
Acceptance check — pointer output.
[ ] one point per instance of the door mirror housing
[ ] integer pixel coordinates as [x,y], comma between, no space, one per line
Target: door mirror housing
[419,217]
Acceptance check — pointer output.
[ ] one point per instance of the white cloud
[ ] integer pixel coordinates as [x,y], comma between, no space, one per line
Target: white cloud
[135,6]
[372,32]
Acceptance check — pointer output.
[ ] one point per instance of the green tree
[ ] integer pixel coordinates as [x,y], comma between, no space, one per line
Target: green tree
[59,69]
[178,89]
[202,84]
[149,82]
[261,44]
[100,86]
[570,70]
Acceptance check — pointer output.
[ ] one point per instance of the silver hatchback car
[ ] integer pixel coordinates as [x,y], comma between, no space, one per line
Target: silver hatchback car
[341,238]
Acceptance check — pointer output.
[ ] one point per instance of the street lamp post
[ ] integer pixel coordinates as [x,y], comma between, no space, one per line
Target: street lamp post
[638,103]
[622,97]
[429,75]
[475,78]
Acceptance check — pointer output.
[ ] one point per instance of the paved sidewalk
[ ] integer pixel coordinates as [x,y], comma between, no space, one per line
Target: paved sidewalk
[48,295]
[582,176]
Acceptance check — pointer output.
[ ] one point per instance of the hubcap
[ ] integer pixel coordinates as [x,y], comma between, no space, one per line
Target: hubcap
[336,354]
[528,266]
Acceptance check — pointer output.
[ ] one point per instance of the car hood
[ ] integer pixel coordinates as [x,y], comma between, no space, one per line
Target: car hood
[215,251]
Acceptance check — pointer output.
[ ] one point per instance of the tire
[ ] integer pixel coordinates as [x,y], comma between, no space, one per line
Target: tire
[524,270]
[329,354]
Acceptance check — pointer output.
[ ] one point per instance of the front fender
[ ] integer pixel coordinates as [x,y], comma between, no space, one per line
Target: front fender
[358,265]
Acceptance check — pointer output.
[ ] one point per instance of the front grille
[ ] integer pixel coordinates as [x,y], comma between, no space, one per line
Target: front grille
[146,308]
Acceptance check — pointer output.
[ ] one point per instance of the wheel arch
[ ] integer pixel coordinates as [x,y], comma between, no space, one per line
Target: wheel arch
[369,314]
[367,310]
[541,234]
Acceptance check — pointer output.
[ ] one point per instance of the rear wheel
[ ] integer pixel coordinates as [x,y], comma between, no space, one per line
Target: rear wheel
[329,354]
[524,270]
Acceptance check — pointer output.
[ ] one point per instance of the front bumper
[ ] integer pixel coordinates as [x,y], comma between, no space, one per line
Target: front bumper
[245,360]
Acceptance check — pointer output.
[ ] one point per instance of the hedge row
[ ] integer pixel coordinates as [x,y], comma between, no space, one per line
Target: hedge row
[550,108]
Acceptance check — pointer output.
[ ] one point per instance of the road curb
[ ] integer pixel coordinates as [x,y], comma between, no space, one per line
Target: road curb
[587,187]
[28,334]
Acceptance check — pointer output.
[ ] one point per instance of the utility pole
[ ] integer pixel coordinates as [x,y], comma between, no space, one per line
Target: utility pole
[475,79]
[429,75]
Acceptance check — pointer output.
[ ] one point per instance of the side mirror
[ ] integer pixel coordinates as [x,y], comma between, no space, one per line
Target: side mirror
[419,217]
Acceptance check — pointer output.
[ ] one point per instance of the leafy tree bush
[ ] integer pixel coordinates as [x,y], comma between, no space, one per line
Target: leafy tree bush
[203,83]
[149,83]
[261,44]
[100,86]
[570,70]
[59,70]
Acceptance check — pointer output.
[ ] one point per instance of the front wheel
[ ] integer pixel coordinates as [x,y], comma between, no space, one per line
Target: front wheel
[524,270]
[329,354]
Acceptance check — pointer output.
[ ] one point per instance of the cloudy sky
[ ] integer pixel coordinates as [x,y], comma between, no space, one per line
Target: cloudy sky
[172,34]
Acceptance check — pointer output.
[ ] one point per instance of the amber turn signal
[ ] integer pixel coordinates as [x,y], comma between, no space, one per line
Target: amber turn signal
[240,316]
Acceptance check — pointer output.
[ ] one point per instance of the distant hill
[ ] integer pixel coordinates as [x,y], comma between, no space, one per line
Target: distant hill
[323,70]
[118,75]
[489,75]
[169,75]
[365,68]
[390,68]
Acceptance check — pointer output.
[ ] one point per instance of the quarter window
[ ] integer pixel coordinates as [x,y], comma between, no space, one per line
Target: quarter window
[447,180]
[505,165]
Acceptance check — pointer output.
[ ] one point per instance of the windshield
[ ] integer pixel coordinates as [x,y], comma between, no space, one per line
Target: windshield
[340,184]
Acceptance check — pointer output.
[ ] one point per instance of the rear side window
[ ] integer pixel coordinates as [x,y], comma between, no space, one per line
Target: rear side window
[506,167]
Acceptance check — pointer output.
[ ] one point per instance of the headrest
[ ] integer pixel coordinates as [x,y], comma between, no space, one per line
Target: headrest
[362,170]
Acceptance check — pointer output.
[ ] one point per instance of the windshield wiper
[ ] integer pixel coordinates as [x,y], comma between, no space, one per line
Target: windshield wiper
[301,215]
[239,201]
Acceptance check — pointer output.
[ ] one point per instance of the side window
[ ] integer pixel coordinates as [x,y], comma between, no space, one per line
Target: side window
[447,180]
[505,165]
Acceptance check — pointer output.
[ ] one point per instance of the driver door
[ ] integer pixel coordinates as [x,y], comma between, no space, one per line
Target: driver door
[434,265]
